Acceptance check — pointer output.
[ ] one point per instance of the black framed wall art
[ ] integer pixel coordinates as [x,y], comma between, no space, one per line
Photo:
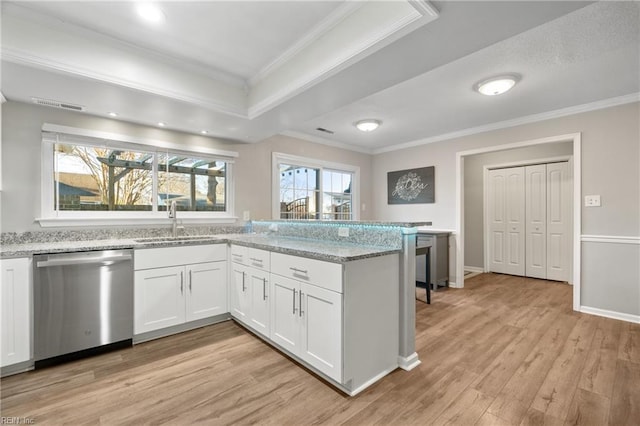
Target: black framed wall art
[412,186]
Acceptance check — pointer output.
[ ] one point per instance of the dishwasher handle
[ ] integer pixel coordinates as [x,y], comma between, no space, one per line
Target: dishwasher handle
[65,261]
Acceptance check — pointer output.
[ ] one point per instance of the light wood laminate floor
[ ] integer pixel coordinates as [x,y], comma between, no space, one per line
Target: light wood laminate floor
[503,351]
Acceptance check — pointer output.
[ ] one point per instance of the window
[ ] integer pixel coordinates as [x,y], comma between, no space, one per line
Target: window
[312,189]
[87,177]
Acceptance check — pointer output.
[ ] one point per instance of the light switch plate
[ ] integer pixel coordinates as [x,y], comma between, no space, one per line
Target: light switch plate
[592,201]
[246,215]
[343,232]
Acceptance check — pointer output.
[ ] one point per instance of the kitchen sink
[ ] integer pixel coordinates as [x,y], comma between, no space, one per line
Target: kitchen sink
[184,238]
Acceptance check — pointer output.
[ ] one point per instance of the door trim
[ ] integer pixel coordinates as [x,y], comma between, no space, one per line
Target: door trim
[575,168]
[485,194]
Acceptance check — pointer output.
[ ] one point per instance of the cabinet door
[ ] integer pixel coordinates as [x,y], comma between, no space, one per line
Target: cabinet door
[536,221]
[285,319]
[321,315]
[16,311]
[259,312]
[159,298]
[558,222]
[206,290]
[239,296]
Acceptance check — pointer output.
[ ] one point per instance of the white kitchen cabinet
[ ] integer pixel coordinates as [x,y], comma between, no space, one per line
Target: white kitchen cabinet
[158,298]
[15,301]
[178,285]
[285,320]
[306,319]
[250,290]
[206,290]
[321,343]
[341,320]
[259,317]
[239,295]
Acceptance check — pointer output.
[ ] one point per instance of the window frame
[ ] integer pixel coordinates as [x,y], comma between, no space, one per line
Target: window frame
[278,158]
[51,134]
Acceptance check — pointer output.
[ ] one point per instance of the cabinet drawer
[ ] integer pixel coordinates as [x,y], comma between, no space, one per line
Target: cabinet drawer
[253,257]
[183,255]
[259,259]
[323,274]
[239,254]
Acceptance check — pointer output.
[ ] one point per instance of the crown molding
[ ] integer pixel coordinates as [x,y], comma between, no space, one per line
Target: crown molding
[21,57]
[534,118]
[424,7]
[337,64]
[22,11]
[326,25]
[327,142]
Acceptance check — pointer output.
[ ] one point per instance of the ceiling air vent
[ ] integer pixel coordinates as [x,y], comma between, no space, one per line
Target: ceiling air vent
[322,129]
[56,104]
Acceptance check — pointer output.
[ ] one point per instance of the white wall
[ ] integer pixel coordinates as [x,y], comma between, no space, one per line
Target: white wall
[474,187]
[253,171]
[610,168]
[21,158]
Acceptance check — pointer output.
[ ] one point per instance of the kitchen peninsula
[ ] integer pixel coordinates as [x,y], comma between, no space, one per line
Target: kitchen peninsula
[336,296]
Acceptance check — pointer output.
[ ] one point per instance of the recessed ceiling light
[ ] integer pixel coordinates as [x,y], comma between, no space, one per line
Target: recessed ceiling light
[161,124]
[497,85]
[368,125]
[150,12]
[113,114]
[204,132]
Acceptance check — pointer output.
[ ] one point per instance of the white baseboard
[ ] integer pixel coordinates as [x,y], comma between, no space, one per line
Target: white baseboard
[408,363]
[371,381]
[453,284]
[610,314]
[474,269]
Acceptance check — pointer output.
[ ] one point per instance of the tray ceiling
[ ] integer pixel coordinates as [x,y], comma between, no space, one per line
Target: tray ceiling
[247,70]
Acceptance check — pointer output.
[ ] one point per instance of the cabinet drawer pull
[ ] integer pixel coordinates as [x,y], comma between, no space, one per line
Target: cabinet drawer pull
[299,271]
[294,301]
[301,311]
[244,288]
[264,289]
[190,280]
[255,260]
[181,282]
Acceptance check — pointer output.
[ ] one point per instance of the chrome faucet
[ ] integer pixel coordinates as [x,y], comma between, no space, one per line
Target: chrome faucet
[173,214]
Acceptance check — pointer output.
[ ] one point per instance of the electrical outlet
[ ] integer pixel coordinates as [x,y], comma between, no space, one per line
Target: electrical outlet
[246,215]
[343,232]
[592,201]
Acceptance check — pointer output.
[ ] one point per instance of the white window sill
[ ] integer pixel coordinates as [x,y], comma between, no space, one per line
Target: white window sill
[50,222]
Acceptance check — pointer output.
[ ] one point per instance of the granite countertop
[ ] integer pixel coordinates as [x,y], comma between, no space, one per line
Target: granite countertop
[330,251]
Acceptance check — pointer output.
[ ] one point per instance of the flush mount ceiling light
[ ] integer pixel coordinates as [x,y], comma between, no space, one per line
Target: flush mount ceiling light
[161,124]
[149,12]
[113,114]
[204,132]
[368,125]
[497,85]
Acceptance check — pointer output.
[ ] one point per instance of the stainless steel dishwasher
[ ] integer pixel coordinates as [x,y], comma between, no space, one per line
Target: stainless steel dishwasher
[83,304]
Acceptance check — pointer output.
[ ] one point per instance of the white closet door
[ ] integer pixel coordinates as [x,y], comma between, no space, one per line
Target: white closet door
[536,217]
[497,223]
[507,220]
[558,221]
[515,217]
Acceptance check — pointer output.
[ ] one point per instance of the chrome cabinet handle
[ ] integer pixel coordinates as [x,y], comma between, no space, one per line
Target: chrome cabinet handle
[264,289]
[255,260]
[181,282]
[244,288]
[299,271]
[301,311]
[294,301]
[190,280]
